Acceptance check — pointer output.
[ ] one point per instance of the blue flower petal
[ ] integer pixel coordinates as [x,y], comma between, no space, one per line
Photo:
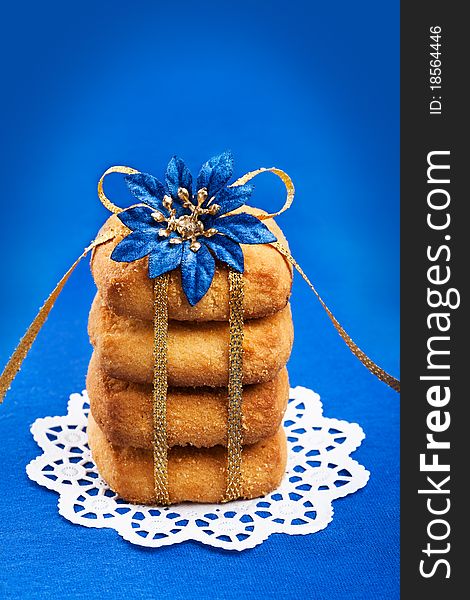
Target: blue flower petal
[244,229]
[226,250]
[215,173]
[146,189]
[178,175]
[233,197]
[138,218]
[164,258]
[197,272]
[134,246]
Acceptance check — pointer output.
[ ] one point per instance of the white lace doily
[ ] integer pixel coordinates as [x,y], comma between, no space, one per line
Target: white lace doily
[319,470]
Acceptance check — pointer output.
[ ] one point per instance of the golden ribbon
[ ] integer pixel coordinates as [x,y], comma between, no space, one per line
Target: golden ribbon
[160,385]
[286,180]
[21,351]
[102,196]
[235,388]
[160,388]
[358,353]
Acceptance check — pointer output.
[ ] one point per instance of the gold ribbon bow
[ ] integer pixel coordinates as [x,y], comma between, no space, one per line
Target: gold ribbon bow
[235,383]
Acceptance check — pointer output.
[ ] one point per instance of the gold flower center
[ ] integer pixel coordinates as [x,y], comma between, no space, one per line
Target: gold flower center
[188,227]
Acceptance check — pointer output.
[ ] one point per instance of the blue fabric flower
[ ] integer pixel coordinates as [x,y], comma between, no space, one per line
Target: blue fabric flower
[177,225]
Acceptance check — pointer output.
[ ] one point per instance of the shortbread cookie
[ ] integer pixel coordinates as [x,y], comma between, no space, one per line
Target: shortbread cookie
[127,289]
[195,416]
[198,353]
[194,474]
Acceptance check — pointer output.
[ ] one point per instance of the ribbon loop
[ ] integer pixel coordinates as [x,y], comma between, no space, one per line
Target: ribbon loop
[102,196]
[286,180]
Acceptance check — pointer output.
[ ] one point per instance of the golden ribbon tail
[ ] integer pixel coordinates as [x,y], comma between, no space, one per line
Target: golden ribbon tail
[358,353]
[235,388]
[21,351]
[365,360]
[160,389]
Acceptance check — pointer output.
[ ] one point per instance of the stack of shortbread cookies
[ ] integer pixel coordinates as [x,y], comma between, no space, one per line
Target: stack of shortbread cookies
[120,375]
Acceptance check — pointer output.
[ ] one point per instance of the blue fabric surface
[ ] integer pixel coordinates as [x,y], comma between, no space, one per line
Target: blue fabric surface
[310,87]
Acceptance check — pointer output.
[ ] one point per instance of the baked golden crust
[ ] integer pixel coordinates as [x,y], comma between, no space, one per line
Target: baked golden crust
[194,474]
[195,416]
[198,353]
[127,289]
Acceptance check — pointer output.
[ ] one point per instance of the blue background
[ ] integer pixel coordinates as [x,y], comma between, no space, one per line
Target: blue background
[310,87]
